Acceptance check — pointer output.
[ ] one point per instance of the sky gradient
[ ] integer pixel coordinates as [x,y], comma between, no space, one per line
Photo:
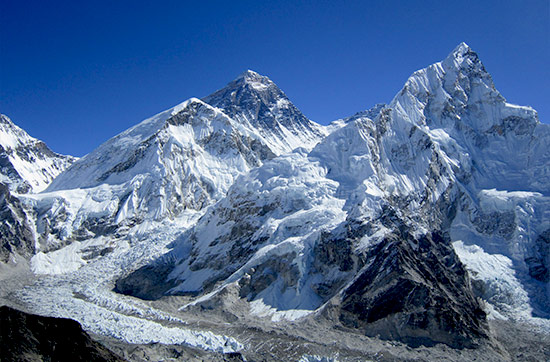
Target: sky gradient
[75,74]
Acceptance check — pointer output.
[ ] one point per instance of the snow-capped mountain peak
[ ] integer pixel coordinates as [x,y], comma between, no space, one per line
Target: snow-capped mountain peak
[254,79]
[258,104]
[464,59]
[462,55]
[27,164]
[379,226]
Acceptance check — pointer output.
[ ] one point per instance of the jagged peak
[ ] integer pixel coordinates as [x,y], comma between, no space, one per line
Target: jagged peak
[463,57]
[12,135]
[250,75]
[249,80]
[461,49]
[253,80]
[369,113]
[5,119]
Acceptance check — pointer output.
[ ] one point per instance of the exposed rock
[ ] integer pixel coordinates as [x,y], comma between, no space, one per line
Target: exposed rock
[500,223]
[414,290]
[16,235]
[28,337]
[539,264]
[148,282]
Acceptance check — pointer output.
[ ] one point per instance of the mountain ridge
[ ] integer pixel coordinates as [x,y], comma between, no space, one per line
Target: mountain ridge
[27,164]
[420,220]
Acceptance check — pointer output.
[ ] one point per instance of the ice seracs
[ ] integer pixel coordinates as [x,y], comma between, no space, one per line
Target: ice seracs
[406,181]
[416,220]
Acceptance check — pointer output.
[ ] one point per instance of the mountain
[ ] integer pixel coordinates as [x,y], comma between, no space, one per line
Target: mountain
[27,164]
[171,165]
[255,102]
[374,228]
[421,222]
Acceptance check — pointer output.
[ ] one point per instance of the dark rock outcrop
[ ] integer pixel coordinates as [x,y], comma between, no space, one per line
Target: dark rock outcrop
[148,282]
[16,236]
[28,337]
[539,263]
[416,290]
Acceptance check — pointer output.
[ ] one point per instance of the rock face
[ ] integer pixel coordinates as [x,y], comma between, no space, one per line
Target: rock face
[256,102]
[16,233]
[416,291]
[361,228]
[402,221]
[27,337]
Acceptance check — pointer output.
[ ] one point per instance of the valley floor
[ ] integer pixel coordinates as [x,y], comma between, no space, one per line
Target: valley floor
[223,328]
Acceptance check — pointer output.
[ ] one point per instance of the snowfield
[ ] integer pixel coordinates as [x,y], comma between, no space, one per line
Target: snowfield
[237,209]
[83,291]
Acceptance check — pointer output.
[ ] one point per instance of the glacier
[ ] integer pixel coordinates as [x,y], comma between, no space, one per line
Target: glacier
[422,220]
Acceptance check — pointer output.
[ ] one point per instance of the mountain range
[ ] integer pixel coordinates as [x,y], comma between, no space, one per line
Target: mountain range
[424,221]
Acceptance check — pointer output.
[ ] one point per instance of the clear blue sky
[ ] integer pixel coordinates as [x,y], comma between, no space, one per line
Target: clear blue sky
[76,73]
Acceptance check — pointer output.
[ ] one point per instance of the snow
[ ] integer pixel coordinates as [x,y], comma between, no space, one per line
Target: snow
[503,290]
[85,294]
[502,200]
[260,309]
[31,160]
[283,127]
[185,187]
[61,261]
[316,358]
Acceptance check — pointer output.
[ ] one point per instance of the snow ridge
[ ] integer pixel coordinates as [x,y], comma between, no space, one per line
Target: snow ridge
[240,191]
[27,164]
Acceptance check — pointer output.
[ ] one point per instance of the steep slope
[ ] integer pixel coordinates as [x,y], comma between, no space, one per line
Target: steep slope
[297,231]
[16,228]
[170,165]
[502,145]
[192,132]
[27,337]
[413,221]
[257,103]
[375,212]
[27,164]
[500,155]
[173,164]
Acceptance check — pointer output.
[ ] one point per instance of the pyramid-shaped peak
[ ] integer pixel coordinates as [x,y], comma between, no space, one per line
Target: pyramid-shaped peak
[247,84]
[461,49]
[463,57]
[251,77]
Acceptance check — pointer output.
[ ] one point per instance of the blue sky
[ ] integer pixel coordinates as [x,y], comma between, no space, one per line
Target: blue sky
[76,73]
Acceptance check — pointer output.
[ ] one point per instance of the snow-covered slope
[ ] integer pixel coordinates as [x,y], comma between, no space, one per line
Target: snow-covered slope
[180,160]
[192,133]
[257,103]
[177,161]
[388,196]
[27,164]
[503,145]
[416,220]
[184,158]
[500,156]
